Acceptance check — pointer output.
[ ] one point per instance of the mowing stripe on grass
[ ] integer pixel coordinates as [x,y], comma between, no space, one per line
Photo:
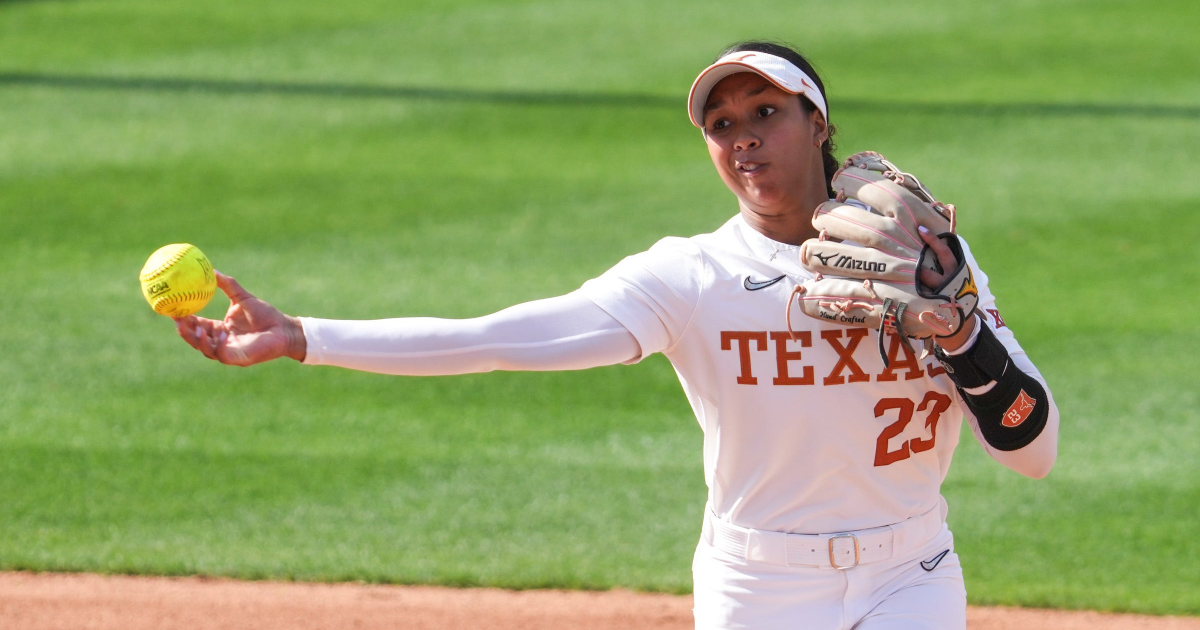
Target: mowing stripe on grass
[605,99]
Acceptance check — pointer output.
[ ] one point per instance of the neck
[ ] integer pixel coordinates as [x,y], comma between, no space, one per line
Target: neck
[792,224]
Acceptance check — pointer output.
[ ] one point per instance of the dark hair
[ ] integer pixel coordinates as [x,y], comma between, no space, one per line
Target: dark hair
[792,55]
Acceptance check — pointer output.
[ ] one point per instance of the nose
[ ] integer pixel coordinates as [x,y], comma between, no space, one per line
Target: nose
[745,142]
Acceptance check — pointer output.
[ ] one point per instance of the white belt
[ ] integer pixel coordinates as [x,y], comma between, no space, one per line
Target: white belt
[843,550]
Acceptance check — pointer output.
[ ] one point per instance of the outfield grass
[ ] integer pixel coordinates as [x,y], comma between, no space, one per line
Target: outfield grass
[374,159]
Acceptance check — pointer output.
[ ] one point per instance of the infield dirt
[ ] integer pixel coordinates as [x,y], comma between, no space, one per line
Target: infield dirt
[47,601]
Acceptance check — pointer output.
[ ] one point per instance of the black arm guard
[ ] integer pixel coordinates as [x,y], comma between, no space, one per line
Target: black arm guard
[1011,414]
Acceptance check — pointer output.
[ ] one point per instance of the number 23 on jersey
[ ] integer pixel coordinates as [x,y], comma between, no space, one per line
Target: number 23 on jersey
[887,451]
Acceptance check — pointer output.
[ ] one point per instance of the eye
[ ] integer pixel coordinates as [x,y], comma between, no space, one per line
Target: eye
[764,111]
[721,123]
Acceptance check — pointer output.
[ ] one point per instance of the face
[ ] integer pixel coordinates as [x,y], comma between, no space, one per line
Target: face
[764,145]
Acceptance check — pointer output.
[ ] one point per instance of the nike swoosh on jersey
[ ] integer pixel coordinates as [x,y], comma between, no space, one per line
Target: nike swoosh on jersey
[754,286]
[930,564]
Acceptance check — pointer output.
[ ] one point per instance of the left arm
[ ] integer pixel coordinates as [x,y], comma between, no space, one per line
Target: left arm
[1009,404]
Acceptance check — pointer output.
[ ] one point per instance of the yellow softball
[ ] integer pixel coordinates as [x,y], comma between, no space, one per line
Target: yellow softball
[178,280]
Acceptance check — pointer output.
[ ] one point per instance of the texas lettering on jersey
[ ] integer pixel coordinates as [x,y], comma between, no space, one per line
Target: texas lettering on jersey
[790,368]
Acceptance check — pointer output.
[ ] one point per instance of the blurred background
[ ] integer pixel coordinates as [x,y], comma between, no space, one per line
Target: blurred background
[370,159]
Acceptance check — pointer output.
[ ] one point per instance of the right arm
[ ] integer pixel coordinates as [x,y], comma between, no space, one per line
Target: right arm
[637,308]
[568,332]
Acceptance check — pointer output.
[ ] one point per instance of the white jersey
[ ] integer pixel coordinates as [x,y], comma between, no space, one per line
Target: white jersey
[804,436]
[811,435]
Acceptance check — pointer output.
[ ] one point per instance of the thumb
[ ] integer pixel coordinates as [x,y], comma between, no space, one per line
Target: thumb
[231,288]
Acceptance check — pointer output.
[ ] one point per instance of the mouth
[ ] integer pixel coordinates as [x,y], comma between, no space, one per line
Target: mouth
[750,168]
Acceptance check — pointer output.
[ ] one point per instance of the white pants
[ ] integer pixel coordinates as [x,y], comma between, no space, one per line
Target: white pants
[898,593]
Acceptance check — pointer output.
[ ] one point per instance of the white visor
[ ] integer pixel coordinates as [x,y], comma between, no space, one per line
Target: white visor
[777,70]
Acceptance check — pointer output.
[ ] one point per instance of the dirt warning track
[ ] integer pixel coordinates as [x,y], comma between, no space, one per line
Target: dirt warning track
[55,601]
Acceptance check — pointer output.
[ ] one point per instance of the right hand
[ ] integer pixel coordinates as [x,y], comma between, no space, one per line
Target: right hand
[252,331]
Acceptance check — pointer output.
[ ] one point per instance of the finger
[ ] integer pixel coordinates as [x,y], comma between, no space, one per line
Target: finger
[931,278]
[205,337]
[184,324]
[186,327]
[204,343]
[215,338]
[233,314]
[940,249]
[231,288]
[194,330]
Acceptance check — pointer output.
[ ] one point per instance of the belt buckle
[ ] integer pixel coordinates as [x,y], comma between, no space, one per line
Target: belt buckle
[832,555]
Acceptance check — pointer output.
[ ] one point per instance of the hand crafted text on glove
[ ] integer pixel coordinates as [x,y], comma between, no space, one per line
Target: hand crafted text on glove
[866,261]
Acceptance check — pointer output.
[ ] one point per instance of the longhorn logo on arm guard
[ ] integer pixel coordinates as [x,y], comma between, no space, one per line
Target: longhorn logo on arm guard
[1019,411]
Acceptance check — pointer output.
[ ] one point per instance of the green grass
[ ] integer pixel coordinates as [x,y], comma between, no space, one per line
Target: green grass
[1064,131]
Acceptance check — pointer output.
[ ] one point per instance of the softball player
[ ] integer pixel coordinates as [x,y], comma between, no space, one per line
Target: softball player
[823,463]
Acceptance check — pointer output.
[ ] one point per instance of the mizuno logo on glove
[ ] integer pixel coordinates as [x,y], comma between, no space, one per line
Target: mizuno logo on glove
[846,262]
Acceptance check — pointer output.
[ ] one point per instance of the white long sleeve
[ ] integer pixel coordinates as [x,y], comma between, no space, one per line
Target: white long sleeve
[1036,458]
[568,332]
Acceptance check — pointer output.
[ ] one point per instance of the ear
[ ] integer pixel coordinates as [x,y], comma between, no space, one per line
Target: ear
[820,127]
